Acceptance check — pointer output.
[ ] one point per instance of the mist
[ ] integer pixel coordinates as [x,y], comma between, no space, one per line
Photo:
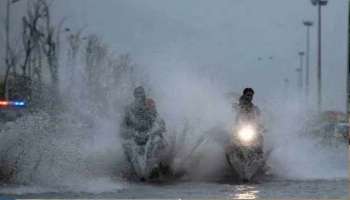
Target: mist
[79,149]
[189,56]
[195,99]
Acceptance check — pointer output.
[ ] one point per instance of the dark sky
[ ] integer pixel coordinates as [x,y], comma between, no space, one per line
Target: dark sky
[224,38]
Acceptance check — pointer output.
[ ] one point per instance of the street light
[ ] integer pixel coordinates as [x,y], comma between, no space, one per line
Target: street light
[286,88]
[348,84]
[300,70]
[319,3]
[308,24]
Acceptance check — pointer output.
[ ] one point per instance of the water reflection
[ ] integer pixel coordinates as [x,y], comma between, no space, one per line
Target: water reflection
[245,192]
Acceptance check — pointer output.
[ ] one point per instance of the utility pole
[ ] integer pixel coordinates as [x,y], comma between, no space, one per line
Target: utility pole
[308,25]
[319,4]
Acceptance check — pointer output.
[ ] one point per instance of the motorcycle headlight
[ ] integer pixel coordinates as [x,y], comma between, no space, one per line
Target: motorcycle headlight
[247,134]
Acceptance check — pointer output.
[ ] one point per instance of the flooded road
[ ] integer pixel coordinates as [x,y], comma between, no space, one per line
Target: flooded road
[316,189]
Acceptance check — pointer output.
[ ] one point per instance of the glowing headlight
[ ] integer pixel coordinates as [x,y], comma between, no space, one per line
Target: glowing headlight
[247,134]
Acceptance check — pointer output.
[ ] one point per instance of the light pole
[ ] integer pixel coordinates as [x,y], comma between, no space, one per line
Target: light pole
[348,83]
[308,24]
[319,3]
[286,88]
[300,70]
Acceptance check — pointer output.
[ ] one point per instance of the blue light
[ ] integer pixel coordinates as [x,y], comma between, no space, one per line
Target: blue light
[19,103]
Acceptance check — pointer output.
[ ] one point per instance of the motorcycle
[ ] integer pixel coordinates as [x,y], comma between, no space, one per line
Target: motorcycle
[245,152]
[148,153]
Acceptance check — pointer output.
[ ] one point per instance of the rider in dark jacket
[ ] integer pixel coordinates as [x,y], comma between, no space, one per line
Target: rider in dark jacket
[246,109]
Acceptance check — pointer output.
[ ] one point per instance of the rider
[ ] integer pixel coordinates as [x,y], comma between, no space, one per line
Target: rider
[141,124]
[152,109]
[139,117]
[248,112]
[246,109]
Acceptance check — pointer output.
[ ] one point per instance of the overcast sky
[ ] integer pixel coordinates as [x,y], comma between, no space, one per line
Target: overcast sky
[224,38]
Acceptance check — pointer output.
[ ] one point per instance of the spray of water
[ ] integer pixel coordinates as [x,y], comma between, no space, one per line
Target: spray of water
[188,98]
[73,145]
[194,107]
[297,152]
[78,148]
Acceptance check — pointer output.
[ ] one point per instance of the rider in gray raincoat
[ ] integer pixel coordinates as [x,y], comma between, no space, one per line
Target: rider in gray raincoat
[142,127]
